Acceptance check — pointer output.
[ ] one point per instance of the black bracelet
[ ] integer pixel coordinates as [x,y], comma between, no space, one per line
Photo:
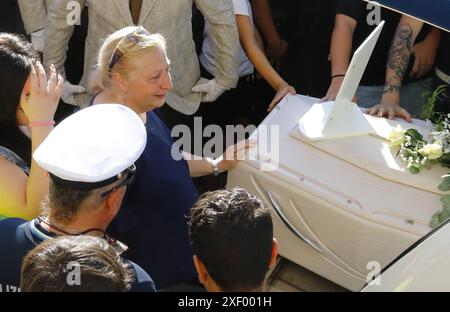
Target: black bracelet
[340,75]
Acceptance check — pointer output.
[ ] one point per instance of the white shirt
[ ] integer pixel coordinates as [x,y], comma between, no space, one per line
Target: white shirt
[207,56]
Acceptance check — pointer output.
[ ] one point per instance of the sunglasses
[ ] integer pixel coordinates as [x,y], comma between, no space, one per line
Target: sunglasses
[130,172]
[127,42]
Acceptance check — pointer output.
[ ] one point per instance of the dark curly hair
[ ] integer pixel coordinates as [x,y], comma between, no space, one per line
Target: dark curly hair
[232,234]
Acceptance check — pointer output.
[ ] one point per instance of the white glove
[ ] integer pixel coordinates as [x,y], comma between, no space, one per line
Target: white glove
[68,92]
[37,40]
[211,89]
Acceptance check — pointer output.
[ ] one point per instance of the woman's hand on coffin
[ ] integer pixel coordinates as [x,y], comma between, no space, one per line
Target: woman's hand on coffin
[234,154]
[333,89]
[281,93]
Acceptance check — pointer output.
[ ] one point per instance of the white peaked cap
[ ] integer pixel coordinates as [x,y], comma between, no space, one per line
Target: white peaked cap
[93,145]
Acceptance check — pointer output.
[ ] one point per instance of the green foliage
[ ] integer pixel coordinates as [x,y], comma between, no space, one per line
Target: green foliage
[418,153]
[414,134]
[428,109]
[445,160]
[414,169]
[445,185]
[441,216]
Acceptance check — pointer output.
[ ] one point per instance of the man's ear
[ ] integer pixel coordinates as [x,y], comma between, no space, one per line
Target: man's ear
[201,270]
[273,258]
[114,201]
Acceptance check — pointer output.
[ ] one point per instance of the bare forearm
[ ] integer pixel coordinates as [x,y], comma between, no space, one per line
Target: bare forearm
[262,65]
[340,51]
[263,17]
[399,55]
[198,166]
[37,183]
[398,59]
[341,48]
[433,38]
[248,39]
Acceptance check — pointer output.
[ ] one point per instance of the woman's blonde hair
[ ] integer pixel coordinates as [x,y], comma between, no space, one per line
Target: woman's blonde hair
[132,49]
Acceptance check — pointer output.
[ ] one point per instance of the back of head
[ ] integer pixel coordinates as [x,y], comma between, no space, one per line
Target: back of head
[232,234]
[132,43]
[16,58]
[74,264]
[89,154]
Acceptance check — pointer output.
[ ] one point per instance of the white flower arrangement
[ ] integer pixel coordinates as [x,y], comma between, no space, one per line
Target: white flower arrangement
[419,153]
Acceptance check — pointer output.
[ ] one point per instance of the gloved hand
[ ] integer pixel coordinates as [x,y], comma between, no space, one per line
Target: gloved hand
[211,89]
[37,40]
[68,92]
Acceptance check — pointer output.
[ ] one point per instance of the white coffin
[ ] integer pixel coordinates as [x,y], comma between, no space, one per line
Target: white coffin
[423,268]
[340,207]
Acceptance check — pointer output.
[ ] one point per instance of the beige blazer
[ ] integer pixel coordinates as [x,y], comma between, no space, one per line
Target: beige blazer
[171,18]
[34,14]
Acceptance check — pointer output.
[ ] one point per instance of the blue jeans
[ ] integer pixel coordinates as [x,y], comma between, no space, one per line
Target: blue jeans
[412,96]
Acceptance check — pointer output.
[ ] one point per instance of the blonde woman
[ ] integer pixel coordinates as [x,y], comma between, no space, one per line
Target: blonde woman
[133,69]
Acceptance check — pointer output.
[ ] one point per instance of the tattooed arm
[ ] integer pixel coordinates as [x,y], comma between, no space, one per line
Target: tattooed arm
[398,59]
[397,64]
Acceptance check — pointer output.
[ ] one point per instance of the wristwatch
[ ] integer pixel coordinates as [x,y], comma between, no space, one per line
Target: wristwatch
[215,166]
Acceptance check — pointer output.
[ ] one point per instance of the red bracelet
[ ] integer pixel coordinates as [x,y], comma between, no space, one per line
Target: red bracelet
[41,123]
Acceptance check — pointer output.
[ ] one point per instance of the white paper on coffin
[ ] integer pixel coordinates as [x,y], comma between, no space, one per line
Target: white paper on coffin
[342,118]
[323,122]
[350,197]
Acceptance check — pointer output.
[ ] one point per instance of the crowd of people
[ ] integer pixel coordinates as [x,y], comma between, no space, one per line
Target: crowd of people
[91,180]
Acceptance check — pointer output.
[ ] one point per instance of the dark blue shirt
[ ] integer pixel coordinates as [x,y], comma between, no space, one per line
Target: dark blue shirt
[152,220]
[17,237]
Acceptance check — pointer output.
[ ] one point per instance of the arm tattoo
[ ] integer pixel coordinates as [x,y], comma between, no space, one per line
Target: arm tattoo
[398,58]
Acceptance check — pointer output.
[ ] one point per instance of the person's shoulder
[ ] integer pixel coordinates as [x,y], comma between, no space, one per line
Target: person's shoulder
[10,162]
[155,124]
[13,239]
[142,281]
[13,246]
[155,116]
[242,7]
[11,229]
[11,223]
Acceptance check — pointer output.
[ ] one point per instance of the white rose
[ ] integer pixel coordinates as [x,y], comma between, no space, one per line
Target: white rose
[431,151]
[397,136]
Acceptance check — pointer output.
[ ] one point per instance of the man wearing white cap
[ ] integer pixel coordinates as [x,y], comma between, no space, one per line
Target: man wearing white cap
[90,158]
